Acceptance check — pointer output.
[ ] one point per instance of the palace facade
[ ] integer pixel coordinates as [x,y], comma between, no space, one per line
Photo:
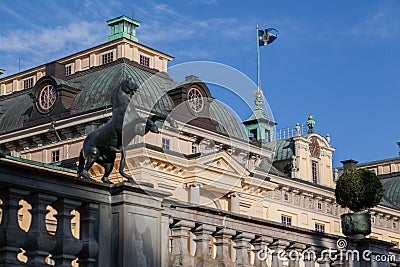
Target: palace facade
[211,160]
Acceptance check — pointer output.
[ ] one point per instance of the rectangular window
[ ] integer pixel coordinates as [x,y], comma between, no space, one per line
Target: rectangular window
[314,171]
[68,69]
[165,144]
[286,220]
[194,149]
[319,204]
[55,156]
[107,57]
[320,227]
[145,61]
[27,83]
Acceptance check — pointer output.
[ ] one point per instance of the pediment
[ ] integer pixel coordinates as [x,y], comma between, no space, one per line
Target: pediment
[222,162]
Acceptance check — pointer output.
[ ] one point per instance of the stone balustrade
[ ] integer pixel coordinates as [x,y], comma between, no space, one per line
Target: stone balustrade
[125,225]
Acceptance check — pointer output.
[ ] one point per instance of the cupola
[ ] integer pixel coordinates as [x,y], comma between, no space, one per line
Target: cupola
[123,27]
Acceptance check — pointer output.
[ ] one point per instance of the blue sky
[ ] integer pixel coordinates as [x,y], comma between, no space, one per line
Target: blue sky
[337,60]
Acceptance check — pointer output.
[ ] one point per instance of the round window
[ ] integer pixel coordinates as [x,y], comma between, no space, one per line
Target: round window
[47,97]
[195,99]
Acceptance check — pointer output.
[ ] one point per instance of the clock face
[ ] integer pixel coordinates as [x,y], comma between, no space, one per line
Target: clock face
[314,148]
[195,99]
[47,97]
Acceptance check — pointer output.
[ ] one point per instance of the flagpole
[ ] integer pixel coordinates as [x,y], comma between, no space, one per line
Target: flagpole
[258,60]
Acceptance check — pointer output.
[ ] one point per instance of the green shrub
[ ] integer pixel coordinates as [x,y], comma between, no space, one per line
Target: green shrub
[358,190]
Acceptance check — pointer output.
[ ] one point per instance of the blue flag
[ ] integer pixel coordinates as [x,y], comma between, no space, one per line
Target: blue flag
[267,36]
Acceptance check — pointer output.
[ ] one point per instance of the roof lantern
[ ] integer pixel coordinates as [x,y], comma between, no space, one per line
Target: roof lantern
[123,27]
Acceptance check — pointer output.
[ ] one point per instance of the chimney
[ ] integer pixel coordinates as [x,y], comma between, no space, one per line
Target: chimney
[349,164]
[55,69]
[398,144]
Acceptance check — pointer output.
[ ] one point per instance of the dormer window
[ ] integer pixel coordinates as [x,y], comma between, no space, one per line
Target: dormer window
[27,83]
[144,60]
[107,57]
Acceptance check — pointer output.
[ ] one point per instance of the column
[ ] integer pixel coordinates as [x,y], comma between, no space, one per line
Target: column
[90,246]
[180,250]
[67,245]
[242,246]
[194,192]
[40,242]
[12,237]
[234,202]
[223,244]
[202,239]
[261,250]
[278,247]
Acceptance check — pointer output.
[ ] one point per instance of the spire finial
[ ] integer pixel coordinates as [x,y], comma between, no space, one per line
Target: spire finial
[259,98]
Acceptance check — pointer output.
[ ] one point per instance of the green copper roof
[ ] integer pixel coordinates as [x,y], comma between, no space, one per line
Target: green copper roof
[284,149]
[391,197]
[96,86]
[258,115]
[228,124]
[123,27]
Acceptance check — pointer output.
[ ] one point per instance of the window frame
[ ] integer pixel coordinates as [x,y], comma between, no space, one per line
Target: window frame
[71,69]
[146,58]
[167,144]
[286,219]
[314,171]
[104,59]
[319,227]
[55,154]
[27,80]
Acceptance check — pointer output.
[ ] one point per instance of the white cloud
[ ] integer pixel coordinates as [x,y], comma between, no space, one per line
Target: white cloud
[49,40]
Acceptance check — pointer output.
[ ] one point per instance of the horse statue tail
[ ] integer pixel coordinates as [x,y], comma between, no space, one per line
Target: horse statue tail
[81,163]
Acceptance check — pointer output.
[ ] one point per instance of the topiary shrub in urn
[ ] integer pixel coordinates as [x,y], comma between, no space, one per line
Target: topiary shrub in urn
[358,190]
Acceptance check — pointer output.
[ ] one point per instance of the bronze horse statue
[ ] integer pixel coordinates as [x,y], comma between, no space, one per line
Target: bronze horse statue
[101,145]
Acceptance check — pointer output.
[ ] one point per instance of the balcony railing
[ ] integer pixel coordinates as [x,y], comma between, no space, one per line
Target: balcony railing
[125,225]
[289,132]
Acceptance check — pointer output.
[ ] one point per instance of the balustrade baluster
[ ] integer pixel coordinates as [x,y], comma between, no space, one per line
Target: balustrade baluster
[242,249]
[180,251]
[261,250]
[40,242]
[223,243]
[67,245]
[294,254]
[203,238]
[90,247]
[12,237]
[278,248]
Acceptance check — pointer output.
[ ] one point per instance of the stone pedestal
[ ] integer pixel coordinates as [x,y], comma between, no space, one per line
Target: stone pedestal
[136,223]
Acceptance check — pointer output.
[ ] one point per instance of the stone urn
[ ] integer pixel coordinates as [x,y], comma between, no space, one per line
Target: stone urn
[356,225]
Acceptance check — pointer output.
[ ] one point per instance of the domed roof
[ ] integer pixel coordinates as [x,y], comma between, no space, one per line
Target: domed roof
[391,196]
[96,86]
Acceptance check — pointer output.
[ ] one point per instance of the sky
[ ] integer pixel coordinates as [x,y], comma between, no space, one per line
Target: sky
[337,60]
